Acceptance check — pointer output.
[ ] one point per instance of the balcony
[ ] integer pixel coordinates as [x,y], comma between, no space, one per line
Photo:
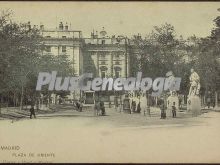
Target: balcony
[105,47]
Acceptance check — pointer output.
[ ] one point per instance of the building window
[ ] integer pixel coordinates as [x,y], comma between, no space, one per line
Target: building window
[63,36]
[117,71]
[117,63]
[63,48]
[102,62]
[102,74]
[117,74]
[48,36]
[102,55]
[103,42]
[48,49]
[117,55]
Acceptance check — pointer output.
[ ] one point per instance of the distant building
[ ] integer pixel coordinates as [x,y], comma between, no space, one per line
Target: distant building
[64,41]
[105,56]
[100,54]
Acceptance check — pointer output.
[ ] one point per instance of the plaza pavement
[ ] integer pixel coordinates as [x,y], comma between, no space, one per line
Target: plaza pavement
[112,117]
[81,137]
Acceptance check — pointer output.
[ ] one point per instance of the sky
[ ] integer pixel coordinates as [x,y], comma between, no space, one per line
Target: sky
[127,18]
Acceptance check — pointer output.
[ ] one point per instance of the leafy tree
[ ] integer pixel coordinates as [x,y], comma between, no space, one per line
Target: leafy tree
[206,59]
[19,45]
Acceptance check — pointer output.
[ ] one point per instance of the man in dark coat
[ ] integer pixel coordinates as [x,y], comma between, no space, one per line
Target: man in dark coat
[32,112]
[174,110]
[102,107]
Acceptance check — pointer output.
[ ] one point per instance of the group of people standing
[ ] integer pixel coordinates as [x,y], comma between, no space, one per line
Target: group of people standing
[145,109]
[163,110]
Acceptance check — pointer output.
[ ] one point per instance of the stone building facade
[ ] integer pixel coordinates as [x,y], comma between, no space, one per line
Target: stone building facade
[99,54]
[106,56]
[64,41]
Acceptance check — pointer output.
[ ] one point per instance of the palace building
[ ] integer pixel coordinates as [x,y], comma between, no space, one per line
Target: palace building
[64,41]
[99,54]
[106,56]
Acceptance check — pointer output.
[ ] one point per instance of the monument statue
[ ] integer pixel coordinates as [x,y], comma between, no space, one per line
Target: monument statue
[172,98]
[194,83]
[193,101]
[171,79]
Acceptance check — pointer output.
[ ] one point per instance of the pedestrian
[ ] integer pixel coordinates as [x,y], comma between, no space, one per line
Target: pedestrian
[116,105]
[80,106]
[133,105]
[213,104]
[163,110]
[102,107]
[32,111]
[208,102]
[174,110]
[77,105]
[139,107]
[96,108]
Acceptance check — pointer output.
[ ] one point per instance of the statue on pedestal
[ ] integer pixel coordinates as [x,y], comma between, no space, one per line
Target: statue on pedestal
[171,79]
[173,98]
[194,83]
[193,102]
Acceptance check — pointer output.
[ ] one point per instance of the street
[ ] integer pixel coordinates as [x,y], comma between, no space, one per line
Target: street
[72,136]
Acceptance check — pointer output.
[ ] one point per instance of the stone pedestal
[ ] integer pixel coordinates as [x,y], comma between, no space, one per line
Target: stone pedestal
[194,105]
[171,100]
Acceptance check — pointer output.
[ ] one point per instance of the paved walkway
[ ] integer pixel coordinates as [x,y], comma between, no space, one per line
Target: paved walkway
[121,119]
[114,138]
[112,117]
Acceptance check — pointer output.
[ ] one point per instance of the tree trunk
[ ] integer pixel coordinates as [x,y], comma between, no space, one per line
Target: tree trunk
[7,100]
[26,104]
[216,100]
[22,94]
[14,100]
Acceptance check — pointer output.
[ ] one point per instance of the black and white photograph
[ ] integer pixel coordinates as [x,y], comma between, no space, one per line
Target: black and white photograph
[109,82]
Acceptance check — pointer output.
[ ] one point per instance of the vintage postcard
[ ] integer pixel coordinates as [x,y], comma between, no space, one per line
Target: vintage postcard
[109,82]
